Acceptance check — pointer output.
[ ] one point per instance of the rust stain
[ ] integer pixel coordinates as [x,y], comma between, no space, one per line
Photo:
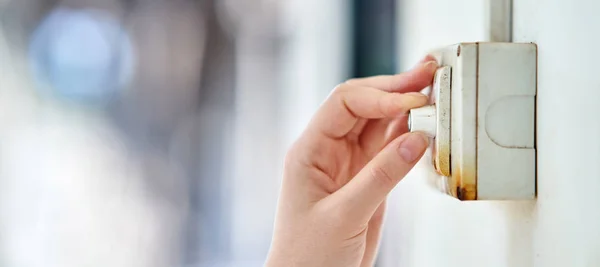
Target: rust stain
[442,160]
[453,186]
[465,185]
[468,192]
[469,176]
[458,51]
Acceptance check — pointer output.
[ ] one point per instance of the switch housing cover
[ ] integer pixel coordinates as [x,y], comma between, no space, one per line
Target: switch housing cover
[490,152]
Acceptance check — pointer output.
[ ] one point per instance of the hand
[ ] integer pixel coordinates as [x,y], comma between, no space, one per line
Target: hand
[340,171]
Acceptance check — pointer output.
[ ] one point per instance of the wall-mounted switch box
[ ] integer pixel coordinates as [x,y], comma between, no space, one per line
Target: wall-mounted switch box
[482,119]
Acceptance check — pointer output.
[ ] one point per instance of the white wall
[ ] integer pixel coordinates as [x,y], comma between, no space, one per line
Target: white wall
[561,228]
[567,227]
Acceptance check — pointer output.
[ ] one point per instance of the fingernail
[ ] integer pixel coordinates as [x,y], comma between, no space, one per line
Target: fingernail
[412,147]
[431,66]
[427,58]
[413,98]
[424,61]
[416,95]
[409,100]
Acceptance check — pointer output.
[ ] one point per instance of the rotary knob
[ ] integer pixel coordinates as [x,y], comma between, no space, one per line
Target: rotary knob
[423,120]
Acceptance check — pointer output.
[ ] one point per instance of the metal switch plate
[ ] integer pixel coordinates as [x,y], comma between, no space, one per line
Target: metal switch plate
[484,96]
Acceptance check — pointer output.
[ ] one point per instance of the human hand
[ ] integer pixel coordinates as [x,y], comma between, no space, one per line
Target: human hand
[339,172]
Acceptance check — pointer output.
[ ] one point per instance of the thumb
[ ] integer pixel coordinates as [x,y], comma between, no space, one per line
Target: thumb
[370,187]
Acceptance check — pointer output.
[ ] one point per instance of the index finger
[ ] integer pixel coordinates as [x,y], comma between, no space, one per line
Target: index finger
[372,100]
[411,81]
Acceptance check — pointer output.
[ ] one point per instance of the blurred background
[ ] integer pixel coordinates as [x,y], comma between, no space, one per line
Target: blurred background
[152,132]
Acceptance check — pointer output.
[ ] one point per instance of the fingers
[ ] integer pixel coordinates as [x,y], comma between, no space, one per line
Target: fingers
[411,81]
[360,198]
[378,133]
[372,98]
[345,107]
[349,103]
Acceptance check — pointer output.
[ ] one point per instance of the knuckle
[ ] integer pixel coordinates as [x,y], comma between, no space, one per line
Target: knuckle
[341,92]
[341,88]
[382,176]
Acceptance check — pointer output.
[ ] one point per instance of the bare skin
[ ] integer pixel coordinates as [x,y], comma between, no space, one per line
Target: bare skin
[339,172]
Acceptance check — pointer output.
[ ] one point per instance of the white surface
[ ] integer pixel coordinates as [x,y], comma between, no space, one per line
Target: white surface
[505,121]
[423,120]
[463,157]
[567,226]
[561,228]
[463,120]
[442,83]
[493,103]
